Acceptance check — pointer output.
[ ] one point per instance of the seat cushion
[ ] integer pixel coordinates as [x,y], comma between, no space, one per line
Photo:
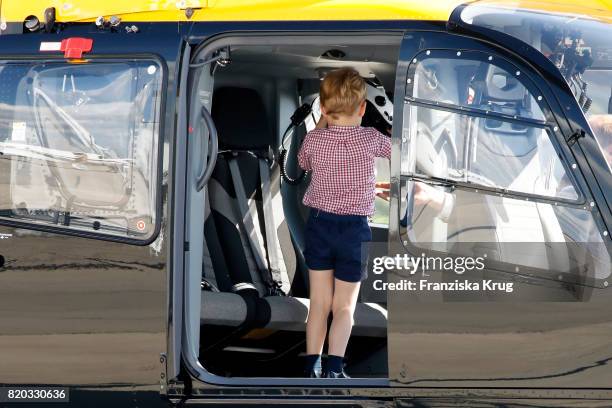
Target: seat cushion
[285,313]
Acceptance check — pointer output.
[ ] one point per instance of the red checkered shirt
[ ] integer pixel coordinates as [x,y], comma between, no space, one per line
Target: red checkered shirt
[341,159]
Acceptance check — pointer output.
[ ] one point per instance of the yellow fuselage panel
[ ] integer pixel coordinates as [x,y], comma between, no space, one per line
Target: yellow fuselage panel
[276,10]
[231,10]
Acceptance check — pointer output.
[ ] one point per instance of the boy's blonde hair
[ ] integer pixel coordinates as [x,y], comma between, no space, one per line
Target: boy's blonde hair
[342,91]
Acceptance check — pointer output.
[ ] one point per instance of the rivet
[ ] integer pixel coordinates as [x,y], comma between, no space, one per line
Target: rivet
[428,52]
[409,81]
[605,233]
[592,204]
[574,166]
[539,98]
[518,73]
[555,128]
[414,60]
[490,58]
[458,53]
[404,139]
[405,242]
[606,283]
[516,269]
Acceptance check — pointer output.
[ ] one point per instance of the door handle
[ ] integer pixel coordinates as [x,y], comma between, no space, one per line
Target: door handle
[212,153]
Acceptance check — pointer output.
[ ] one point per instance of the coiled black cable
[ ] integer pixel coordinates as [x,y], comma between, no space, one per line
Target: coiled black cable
[297,119]
[282,163]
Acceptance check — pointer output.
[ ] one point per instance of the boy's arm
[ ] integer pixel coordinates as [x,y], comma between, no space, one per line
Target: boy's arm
[303,156]
[442,202]
[383,145]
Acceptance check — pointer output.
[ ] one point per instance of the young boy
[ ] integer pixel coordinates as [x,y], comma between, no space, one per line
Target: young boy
[340,155]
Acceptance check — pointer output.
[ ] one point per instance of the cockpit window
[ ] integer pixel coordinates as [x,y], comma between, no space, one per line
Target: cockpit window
[78,145]
[578,45]
[475,81]
[575,44]
[502,141]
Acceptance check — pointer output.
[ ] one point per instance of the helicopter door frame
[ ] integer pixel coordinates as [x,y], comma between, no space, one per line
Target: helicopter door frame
[206,46]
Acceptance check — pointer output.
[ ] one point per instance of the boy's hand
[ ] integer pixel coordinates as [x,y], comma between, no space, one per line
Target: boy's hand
[424,194]
[382,190]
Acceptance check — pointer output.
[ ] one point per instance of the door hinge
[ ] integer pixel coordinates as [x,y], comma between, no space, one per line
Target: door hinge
[163,381]
[575,136]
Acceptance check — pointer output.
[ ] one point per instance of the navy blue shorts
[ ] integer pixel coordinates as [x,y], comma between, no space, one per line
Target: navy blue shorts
[338,242]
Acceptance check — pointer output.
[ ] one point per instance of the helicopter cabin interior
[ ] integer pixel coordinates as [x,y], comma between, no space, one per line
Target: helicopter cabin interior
[252,321]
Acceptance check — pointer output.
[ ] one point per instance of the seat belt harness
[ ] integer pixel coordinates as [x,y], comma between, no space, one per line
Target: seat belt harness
[271,234]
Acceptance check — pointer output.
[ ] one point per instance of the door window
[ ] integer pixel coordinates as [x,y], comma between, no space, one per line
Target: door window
[472,80]
[481,175]
[79,146]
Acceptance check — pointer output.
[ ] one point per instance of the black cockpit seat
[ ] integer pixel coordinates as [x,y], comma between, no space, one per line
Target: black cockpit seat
[238,291]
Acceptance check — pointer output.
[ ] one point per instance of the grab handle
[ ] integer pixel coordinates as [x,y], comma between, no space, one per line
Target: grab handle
[212,154]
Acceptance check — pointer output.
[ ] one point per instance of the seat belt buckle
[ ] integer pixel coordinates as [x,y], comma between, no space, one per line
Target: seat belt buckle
[274,286]
[270,155]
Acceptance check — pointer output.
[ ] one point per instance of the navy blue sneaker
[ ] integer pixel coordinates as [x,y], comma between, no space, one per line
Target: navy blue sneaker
[333,374]
[314,373]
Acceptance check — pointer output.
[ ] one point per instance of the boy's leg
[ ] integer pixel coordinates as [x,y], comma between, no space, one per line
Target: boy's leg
[321,295]
[343,308]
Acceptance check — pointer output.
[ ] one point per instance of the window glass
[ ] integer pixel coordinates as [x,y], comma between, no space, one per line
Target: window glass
[574,43]
[79,145]
[459,166]
[600,112]
[483,151]
[469,79]
[558,241]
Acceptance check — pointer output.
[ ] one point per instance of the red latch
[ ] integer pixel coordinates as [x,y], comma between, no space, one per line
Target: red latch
[75,47]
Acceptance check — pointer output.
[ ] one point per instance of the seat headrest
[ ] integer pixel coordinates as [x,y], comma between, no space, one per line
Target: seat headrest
[241,119]
[501,85]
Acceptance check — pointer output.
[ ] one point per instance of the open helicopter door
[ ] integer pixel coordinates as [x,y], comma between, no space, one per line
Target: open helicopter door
[86,138]
[503,266]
